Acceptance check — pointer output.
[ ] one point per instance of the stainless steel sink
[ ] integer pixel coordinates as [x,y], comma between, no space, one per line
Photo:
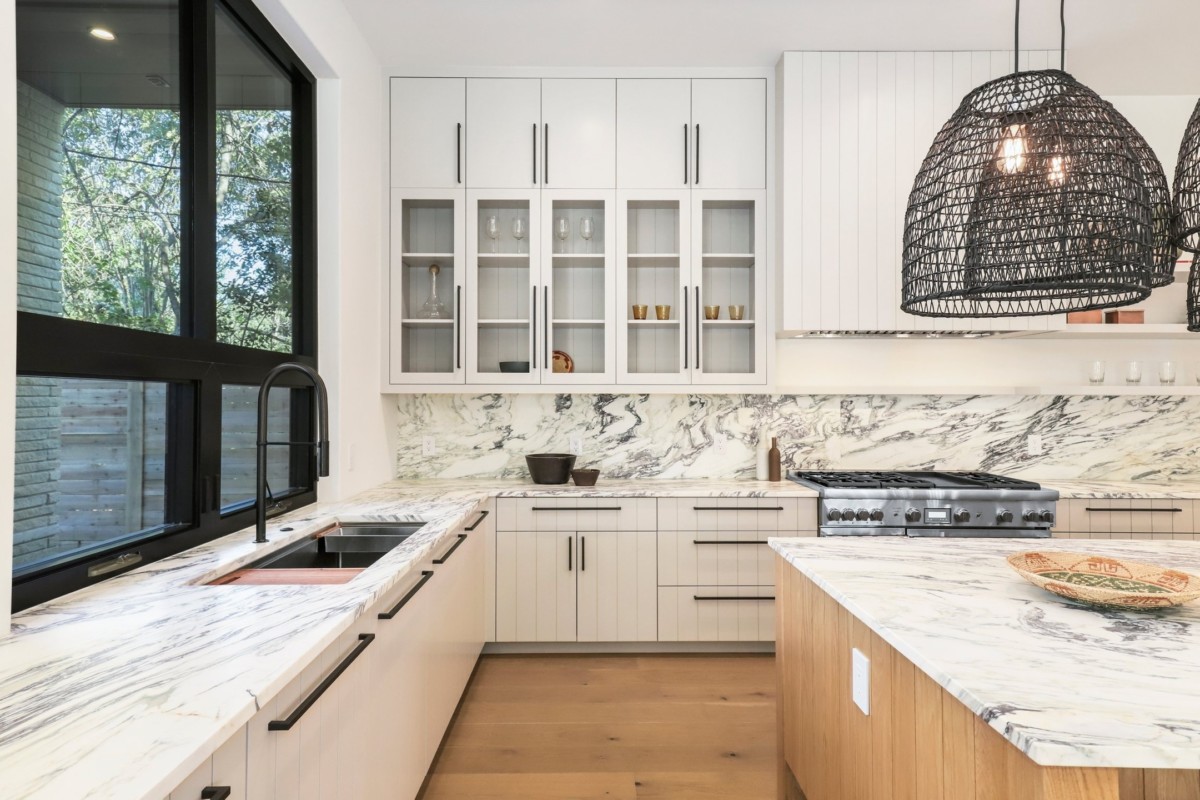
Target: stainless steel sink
[343,546]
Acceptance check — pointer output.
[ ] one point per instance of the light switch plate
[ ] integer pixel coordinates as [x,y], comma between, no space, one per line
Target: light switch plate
[1034,445]
[860,680]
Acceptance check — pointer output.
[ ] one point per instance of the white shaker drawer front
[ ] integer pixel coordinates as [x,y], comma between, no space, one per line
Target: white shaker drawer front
[699,558]
[1126,518]
[778,516]
[576,514]
[716,614]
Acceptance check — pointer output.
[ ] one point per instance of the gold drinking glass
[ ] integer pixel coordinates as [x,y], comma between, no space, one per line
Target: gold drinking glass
[712,312]
[639,312]
[662,312]
[737,312]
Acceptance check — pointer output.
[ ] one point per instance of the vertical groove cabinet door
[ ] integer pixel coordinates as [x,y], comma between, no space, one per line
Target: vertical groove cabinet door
[729,133]
[535,586]
[428,132]
[504,133]
[579,133]
[654,133]
[617,586]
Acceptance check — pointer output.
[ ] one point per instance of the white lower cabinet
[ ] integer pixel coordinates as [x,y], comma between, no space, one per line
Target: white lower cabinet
[535,586]
[716,613]
[615,587]
[364,719]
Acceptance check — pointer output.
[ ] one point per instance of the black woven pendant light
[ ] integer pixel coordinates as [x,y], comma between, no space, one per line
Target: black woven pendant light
[1193,304]
[1186,224]
[1037,197]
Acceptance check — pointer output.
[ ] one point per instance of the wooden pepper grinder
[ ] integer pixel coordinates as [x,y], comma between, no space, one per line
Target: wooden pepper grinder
[773,465]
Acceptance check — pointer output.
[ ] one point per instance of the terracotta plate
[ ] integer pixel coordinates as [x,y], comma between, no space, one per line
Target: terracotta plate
[563,362]
[1105,580]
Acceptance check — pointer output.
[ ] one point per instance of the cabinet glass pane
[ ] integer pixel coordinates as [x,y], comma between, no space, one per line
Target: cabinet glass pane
[577,311]
[503,295]
[653,280]
[727,287]
[427,285]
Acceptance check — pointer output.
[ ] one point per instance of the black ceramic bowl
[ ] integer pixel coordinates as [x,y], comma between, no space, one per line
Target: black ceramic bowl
[550,467]
[585,477]
[514,366]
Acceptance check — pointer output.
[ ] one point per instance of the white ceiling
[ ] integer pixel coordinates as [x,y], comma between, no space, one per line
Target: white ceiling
[1115,46]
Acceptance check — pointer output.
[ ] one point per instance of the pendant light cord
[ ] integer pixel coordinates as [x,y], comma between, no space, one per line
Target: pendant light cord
[1017,38]
[1062,41]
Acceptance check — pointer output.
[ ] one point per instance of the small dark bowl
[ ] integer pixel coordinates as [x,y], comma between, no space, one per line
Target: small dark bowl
[550,468]
[514,366]
[585,477]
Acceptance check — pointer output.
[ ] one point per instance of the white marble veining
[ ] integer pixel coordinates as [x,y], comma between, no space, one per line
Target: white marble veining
[1067,684]
[120,690]
[1131,438]
[1184,490]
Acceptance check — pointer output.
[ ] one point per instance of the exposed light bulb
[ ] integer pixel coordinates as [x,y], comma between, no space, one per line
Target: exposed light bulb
[103,34]
[1010,155]
[1057,174]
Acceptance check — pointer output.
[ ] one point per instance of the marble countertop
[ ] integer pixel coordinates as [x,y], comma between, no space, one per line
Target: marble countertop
[1069,489]
[121,689]
[1067,684]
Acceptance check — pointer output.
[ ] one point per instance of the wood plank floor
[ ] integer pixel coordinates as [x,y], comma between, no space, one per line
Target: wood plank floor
[581,727]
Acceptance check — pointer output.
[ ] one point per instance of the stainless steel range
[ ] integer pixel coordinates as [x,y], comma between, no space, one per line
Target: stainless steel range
[946,504]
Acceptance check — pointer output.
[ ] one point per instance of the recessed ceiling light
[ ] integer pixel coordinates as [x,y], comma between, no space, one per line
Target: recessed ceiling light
[104,34]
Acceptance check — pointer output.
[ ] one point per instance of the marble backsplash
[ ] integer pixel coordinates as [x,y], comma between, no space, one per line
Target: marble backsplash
[715,435]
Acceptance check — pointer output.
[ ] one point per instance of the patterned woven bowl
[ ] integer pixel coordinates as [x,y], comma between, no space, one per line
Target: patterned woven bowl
[1106,581]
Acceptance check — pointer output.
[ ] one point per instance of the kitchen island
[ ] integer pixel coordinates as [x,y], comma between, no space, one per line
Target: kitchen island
[980,684]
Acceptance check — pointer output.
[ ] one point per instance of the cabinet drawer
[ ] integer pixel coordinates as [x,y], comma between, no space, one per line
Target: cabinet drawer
[576,514]
[716,558]
[1126,518]
[716,614]
[737,514]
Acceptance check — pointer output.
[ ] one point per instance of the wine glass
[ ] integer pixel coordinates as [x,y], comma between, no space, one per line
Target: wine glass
[587,227]
[562,229]
[518,231]
[491,227]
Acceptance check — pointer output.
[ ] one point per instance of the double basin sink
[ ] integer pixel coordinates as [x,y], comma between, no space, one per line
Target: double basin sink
[333,555]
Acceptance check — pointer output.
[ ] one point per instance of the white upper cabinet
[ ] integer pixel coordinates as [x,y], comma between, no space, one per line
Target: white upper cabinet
[504,137]
[427,132]
[579,133]
[729,133]
[654,133]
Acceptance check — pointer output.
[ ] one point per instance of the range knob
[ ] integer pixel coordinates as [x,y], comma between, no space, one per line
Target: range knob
[1031,516]
[833,515]
[1004,516]
[912,515]
[877,515]
[1047,517]
[848,514]
[862,515]
[962,515]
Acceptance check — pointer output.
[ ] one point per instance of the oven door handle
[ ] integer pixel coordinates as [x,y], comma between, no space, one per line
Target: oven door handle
[979,533]
[861,530]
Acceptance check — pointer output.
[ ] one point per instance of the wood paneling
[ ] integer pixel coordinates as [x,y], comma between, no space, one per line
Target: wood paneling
[918,741]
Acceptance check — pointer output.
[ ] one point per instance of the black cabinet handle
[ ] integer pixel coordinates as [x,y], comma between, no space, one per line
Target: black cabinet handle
[546,155]
[708,597]
[698,362]
[1140,510]
[583,554]
[687,345]
[462,537]
[426,574]
[685,154]
[570,553]
[735,508]
[216,793]
[697,154]
[458,154]
[458,312]
[364,641]
[588,508]
[533,324]
[535,154]
[482,517]
[710,541]
[546,323]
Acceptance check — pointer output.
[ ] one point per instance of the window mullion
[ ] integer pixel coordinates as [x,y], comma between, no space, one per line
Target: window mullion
[199,178]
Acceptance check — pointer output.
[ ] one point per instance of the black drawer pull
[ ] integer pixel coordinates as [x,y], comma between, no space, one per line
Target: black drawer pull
[482,517]
[570,558]
[426,574]
[462,537]
[707,597]
[364,641]
[583,554]
[710,541]
[1119,510]
[215,793]
[593,508]
[735,508]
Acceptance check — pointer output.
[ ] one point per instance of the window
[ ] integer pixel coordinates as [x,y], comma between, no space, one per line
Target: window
[165,265]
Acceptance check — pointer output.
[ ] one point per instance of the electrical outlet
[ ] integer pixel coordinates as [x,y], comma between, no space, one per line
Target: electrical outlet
[860,680]
[428,446]
[576,445]
[719,445]
[1034,445]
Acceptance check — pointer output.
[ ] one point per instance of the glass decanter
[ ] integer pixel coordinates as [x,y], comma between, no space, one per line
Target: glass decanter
[433,308]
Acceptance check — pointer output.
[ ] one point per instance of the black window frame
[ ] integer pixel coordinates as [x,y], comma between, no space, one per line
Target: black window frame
[194,361]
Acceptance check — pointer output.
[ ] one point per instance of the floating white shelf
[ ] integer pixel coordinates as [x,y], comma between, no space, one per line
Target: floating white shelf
[653,322]
[427,255]
[433,322]
[729,323]
[577,322]
[503,322]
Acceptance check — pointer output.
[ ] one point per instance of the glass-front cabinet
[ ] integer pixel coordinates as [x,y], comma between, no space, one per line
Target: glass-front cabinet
[425,286]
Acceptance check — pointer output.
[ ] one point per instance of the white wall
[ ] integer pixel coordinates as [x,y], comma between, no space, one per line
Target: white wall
[8,295]
[350,183]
